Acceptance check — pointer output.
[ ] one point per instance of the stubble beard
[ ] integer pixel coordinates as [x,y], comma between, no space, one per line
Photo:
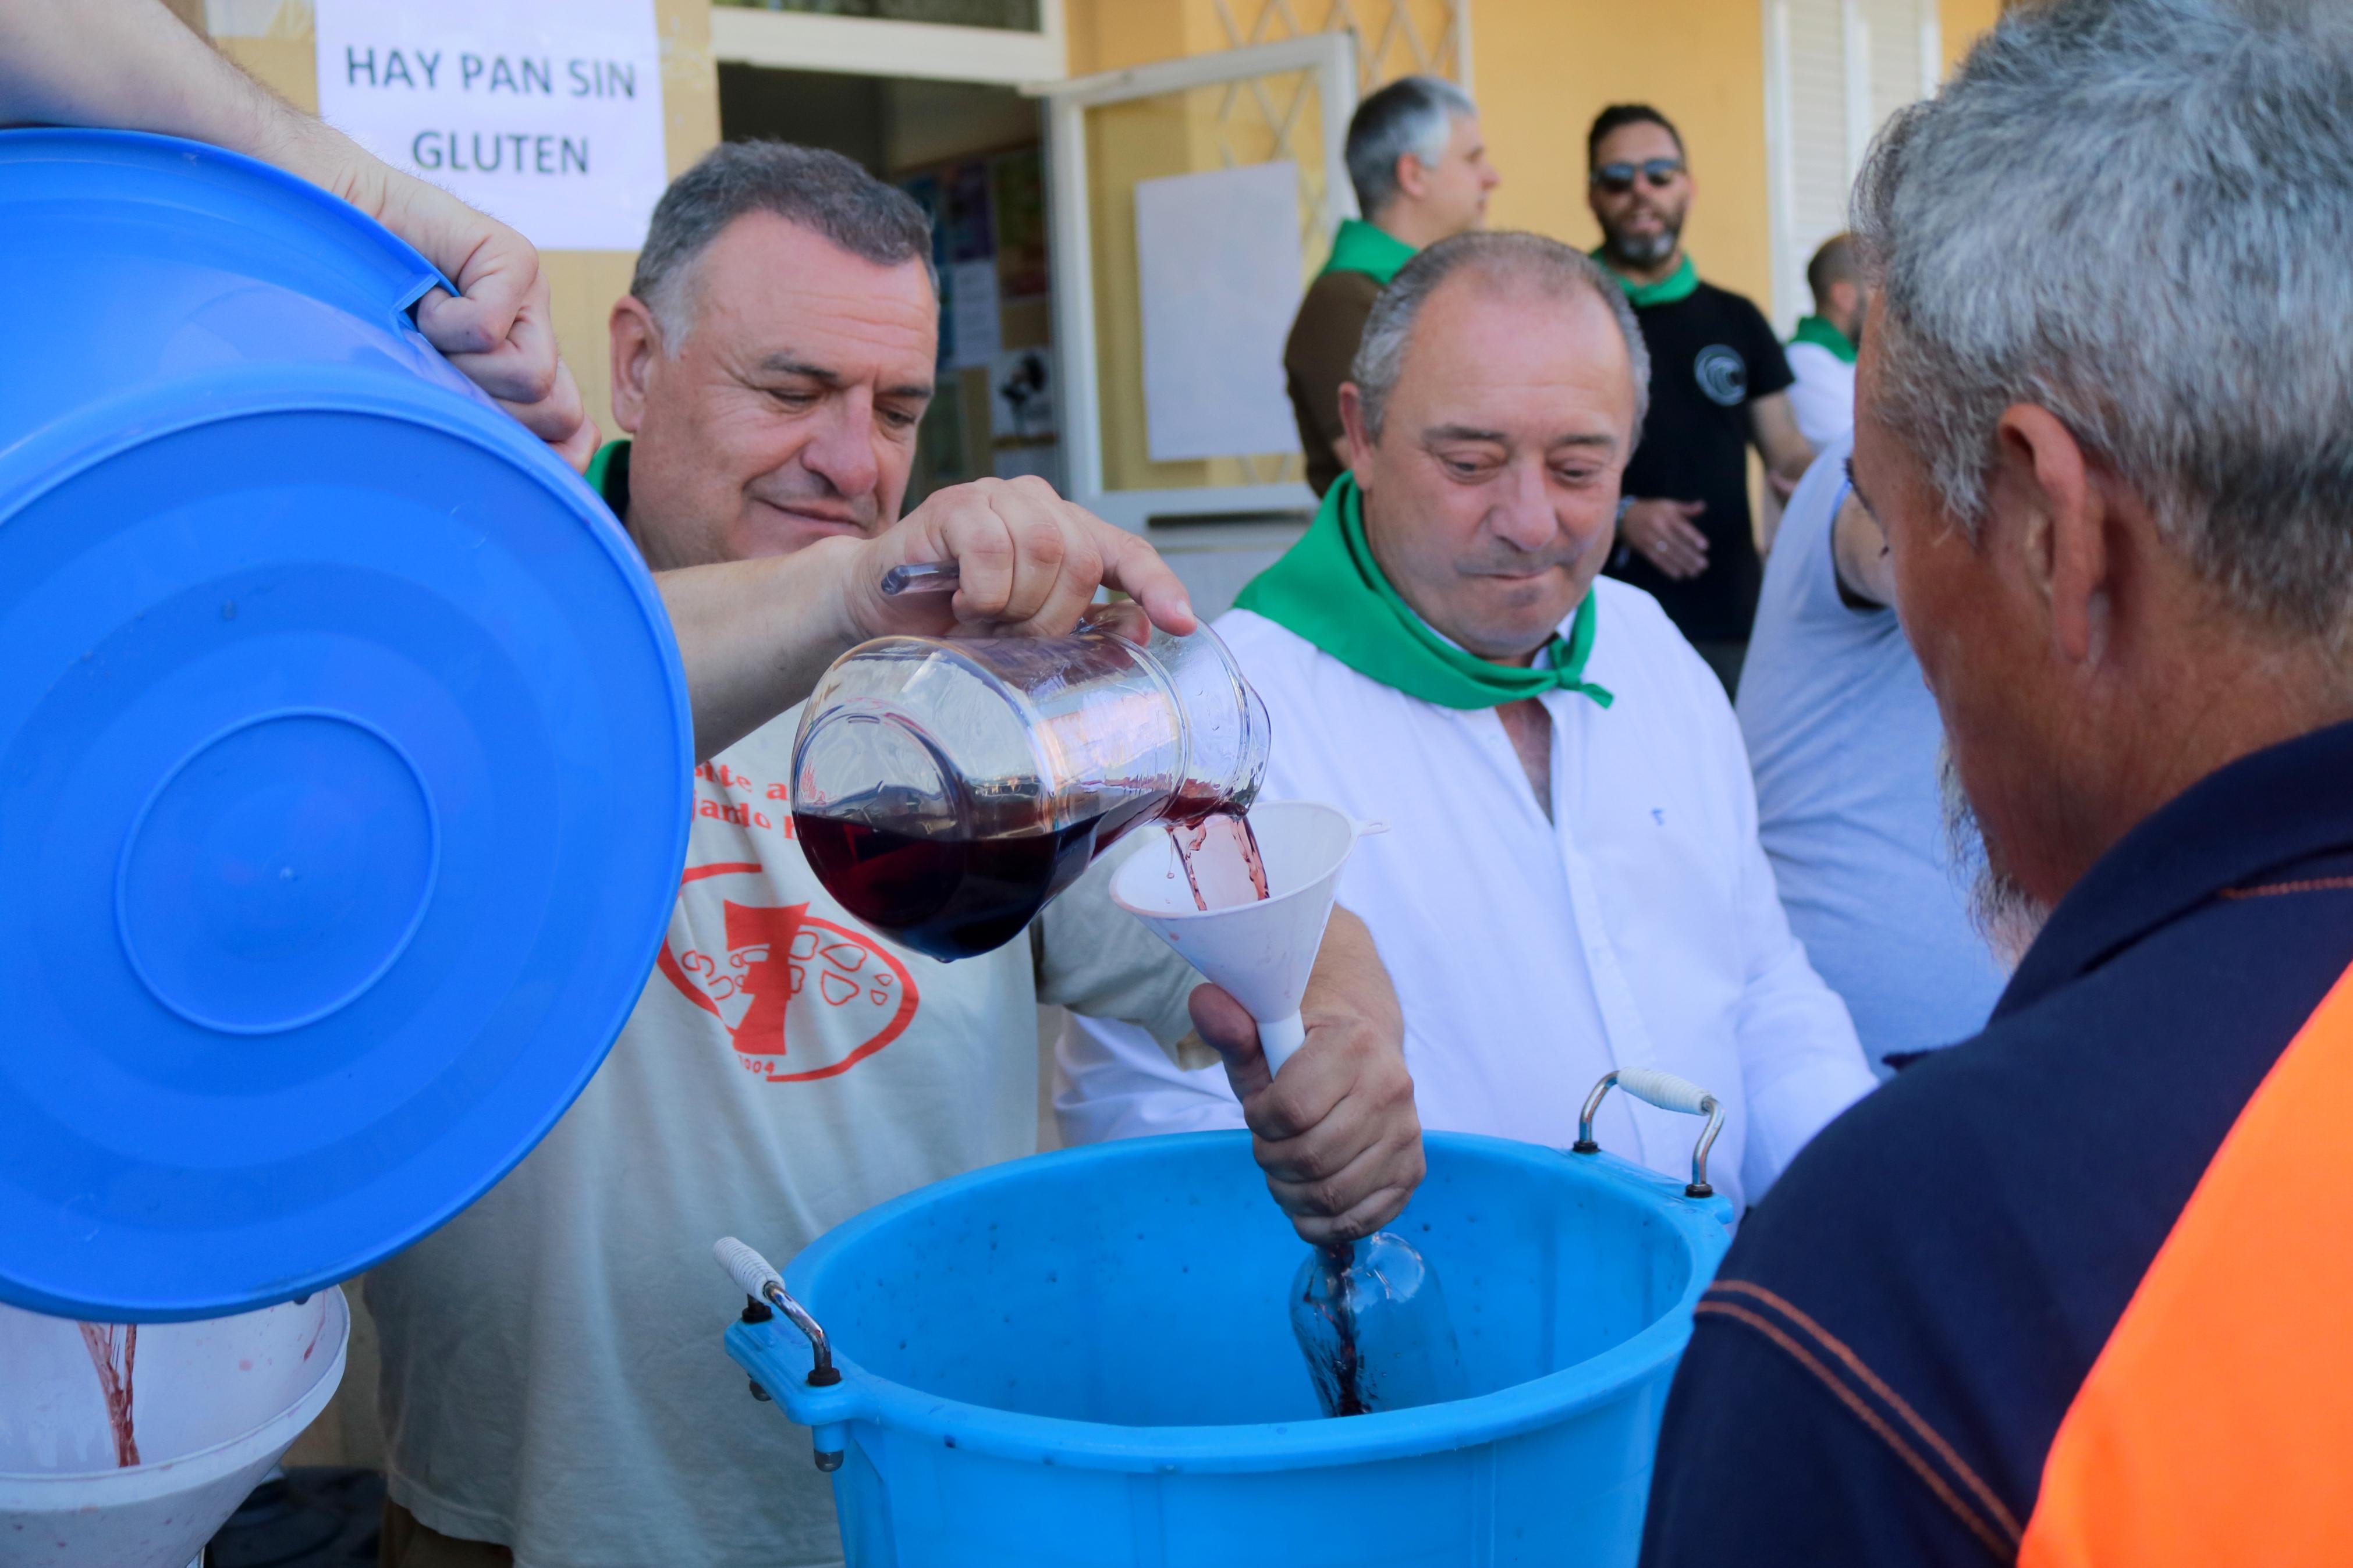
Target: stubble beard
[2004,914]
[1646,249]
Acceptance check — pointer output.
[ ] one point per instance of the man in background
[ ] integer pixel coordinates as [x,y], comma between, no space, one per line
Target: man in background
[1420,170]
[1571,881]
[1821,352]
[1719,385]
[1844,739]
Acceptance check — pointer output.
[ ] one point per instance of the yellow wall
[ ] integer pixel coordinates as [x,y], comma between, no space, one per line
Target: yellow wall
[584,283]
[1542,69]
[1964,22]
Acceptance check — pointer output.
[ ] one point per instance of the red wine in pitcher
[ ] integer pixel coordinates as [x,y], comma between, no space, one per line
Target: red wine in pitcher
[953,897]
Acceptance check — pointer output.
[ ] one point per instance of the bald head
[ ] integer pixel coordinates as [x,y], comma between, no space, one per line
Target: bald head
[1498,401]
[1543,271]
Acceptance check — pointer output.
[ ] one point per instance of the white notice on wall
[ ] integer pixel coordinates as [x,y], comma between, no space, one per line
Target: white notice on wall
[1220,259]
[545,113]
[972,313]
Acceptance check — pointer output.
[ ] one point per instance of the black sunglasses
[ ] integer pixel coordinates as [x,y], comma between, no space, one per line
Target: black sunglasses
[1619,178]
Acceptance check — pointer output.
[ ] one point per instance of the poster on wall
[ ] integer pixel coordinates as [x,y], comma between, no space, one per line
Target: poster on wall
[1220,264]
[545,113]
[1021,395]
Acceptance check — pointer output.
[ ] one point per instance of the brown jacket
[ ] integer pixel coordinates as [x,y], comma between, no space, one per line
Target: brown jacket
[1316,359]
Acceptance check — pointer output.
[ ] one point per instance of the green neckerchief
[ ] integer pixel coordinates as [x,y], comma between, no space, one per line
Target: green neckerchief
[1328,589]
[608,476]
[1680,284]
[1814,330]
[1361,248]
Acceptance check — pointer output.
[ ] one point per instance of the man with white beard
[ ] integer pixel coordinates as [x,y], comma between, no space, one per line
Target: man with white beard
[2077,1291]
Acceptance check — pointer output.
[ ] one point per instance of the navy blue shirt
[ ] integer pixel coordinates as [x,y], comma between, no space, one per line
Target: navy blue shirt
[1890,1347]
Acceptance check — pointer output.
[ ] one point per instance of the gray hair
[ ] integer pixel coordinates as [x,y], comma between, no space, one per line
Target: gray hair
[1413,114]
[1504,256]
[2138,215]
[819,190]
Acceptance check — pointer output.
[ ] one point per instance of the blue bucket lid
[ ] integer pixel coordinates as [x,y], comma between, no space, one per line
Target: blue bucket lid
[344,752]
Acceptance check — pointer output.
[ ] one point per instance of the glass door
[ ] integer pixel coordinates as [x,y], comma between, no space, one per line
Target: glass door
[1190,202]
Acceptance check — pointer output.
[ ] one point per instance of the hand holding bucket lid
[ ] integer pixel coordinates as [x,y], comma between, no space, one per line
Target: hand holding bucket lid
[344,753]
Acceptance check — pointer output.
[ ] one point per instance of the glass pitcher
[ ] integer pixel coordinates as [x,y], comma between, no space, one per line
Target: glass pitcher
[944,790]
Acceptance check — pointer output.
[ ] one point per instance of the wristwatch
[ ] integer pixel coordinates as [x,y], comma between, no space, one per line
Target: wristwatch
[1625,551]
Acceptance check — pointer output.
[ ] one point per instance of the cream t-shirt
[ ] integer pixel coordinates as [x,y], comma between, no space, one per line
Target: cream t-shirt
[554,1376]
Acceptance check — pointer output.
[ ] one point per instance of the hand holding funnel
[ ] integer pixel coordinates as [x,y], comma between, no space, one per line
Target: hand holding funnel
[1369,1315]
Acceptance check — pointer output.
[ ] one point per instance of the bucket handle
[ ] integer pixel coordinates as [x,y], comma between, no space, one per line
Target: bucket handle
[759,1280]
[1668,1092]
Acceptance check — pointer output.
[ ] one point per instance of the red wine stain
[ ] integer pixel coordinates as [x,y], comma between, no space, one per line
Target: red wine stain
[114,1382]
[1339,1376]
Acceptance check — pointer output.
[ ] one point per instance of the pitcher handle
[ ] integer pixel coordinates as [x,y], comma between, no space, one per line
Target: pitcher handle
[1668,1092]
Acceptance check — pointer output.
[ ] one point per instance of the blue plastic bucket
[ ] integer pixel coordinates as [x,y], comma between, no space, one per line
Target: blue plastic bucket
[1085,1359]
[344,755]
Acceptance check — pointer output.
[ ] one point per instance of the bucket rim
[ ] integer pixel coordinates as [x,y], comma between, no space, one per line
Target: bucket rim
[771,1349]
[403,265]
[46,459]
[24,1491]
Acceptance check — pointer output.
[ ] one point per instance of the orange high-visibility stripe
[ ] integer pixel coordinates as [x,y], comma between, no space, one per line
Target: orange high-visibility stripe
[2217,1425]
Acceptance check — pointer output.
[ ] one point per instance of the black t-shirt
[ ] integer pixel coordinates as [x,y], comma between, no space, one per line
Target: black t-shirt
[1711,352]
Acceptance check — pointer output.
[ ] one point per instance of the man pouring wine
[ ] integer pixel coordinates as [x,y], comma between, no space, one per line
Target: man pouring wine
[1439,654]
[552,1384]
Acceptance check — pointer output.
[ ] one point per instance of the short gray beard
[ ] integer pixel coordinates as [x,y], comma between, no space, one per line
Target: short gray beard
[1648,250]
[2006,915]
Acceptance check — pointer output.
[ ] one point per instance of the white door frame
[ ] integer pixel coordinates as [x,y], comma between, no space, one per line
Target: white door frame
[1790,296]
[1069,234]
[862,46]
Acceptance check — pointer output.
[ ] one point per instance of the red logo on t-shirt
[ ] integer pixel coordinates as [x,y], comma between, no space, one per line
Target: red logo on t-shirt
[780,960]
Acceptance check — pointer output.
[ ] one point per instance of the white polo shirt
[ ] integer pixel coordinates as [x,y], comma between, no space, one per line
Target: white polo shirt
[1637,926]
[1822,397]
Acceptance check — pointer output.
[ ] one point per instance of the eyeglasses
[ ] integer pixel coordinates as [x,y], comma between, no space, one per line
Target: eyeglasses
[1619,178]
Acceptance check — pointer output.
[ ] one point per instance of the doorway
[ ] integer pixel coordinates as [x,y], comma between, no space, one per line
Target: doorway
[970,154]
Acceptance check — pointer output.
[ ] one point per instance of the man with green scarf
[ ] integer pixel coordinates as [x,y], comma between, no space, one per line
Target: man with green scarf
[1571,881]
[1420,170]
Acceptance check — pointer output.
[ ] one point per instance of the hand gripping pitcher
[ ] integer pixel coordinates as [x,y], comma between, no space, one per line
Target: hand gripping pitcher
[944,790]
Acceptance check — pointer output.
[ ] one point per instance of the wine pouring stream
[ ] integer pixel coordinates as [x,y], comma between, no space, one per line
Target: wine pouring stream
[945,790]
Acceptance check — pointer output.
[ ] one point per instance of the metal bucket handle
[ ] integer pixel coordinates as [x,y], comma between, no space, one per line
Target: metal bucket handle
[1668,1092]
[759,1280]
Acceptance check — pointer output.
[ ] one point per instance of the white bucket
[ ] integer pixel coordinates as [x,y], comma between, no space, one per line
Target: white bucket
[214,1404]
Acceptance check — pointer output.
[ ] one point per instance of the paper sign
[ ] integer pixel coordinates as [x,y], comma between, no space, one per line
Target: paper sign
[546,114]
[972,312]
[1220,259]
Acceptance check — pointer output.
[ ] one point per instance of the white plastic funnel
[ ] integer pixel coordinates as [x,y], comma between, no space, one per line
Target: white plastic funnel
[214,1404]
[1261,951]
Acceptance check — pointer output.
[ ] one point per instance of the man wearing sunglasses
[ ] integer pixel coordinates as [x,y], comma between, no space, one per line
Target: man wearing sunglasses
[1719,384]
